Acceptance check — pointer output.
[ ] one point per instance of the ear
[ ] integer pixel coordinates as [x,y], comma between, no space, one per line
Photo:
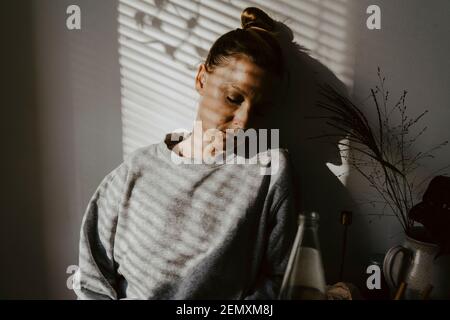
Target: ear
[200,79]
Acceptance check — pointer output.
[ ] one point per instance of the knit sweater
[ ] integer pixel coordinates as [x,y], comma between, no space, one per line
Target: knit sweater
[157,229]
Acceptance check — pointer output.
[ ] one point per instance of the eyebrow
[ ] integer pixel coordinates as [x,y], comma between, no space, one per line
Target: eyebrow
[233,85]
[239,89]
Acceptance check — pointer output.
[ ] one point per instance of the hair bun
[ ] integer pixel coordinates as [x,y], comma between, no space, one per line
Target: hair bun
[255,17]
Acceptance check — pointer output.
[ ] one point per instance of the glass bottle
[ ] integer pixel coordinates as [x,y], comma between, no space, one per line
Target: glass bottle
[304,278]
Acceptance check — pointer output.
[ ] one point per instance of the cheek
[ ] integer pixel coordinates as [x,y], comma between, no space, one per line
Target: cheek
[212,100]
[213,110]
[210,114]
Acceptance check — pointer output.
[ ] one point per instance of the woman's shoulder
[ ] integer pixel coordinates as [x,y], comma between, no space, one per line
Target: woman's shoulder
[133,161]
[281,154]
[277,164]
[141,155]
[274,160]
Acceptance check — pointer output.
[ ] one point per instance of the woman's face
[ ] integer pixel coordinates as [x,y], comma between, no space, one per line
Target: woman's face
[236,95]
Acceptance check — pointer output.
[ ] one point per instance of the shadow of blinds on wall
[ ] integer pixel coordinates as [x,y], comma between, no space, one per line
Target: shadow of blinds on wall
[162,42]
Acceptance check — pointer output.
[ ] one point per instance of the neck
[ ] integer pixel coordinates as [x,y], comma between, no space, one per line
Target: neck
[199,145]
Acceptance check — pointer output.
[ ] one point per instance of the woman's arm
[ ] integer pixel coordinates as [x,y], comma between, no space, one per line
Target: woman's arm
[279,246]
[282,207]
[96,276]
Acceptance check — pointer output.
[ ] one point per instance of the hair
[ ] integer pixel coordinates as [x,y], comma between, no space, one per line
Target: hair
[257,39]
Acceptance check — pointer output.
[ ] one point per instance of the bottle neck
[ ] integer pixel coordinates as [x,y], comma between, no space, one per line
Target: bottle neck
[310,235]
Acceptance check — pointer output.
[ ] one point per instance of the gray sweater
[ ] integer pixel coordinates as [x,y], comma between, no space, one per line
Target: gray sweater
[158,230]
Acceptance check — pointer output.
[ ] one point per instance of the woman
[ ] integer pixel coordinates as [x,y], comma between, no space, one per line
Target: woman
[163,229]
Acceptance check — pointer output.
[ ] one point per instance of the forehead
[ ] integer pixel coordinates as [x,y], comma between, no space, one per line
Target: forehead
[242,74]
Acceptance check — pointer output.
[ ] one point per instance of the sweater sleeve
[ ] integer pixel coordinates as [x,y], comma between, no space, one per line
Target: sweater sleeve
[283,228]
[96,275]
[279,247]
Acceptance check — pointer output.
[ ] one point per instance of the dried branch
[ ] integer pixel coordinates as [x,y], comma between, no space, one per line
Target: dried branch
[381,153]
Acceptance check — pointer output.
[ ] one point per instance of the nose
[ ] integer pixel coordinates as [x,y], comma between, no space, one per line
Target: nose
[241,118]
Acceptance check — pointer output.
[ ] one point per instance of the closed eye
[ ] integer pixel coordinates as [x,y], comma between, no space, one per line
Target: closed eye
[236,101]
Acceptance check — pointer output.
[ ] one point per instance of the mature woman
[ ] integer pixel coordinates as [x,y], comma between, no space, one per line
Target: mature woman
[160,228]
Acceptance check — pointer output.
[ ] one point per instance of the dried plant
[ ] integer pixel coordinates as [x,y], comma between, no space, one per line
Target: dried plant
[383,152]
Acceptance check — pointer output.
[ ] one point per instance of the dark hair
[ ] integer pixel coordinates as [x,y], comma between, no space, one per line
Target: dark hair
[256,40]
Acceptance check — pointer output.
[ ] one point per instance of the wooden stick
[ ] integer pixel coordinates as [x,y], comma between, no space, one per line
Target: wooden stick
[400,291]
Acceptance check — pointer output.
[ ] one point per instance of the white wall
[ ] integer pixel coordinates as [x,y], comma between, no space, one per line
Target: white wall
[22,266]
[70,123]
[412,50]
[79,99]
